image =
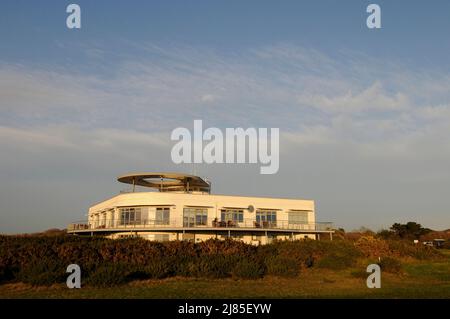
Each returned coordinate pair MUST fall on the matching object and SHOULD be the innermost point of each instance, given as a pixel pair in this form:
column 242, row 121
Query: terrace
column 216, row 225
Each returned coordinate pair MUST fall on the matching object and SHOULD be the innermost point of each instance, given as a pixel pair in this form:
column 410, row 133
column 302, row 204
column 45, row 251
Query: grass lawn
column 419, row 280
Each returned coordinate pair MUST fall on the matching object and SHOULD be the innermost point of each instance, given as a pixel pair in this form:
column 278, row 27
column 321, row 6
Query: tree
column 409, row 230
column 385, row 234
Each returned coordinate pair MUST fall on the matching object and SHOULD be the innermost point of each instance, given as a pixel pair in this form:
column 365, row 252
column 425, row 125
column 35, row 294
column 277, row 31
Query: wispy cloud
column 351, row 126
column 174, row 85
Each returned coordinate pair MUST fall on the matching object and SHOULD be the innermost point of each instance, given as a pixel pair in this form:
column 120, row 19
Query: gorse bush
column 6, row 274
column 335, row 262
column 215, row 266
column 391, row 265
column 282, row 266
column 42, row 272
column 109, row 275
column 417, row 251
column 359, row 273
column 106, row 262
column 339, row 256
column 157, row 269
column 372, row 247
column 248, row 269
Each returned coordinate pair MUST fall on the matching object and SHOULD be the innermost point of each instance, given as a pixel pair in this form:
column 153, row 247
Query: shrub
column 183, row 267
column 359, row 274
column 227, row 247
column 339, row 259
column 137, row 274
column 372, row 247
column 6, row 274
column 248, row 269
column 108, row 275
column 302, row 252
column 282, row 266
column 105, row 262
column 391, row 265
column 214, row 266
column 408, row 249
column 157, row 269
column 42, row 273
column 335, row 262
column 338, row 255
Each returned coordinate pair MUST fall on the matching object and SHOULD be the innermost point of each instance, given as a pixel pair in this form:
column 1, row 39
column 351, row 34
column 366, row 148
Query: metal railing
column 246, row 223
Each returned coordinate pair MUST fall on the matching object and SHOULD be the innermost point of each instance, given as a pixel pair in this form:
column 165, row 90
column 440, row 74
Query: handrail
column 153, row 223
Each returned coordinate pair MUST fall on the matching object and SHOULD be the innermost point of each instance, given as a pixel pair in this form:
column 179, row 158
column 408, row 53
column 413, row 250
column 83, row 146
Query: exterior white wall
column 213, row 203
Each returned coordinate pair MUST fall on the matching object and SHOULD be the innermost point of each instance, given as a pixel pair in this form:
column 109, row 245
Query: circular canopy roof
column 167, row 182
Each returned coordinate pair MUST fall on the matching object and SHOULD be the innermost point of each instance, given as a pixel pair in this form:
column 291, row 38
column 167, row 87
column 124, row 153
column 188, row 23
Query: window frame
column 299, row 219
column 235, row 215
column 130, row 216
column 195, row 216
column 266, row 215
column 162, row 215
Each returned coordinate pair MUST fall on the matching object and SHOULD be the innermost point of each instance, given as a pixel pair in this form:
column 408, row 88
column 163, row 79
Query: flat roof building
column 181, row 207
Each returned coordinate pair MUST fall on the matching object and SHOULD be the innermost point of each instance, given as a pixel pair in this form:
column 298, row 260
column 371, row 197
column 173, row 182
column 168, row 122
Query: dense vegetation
column 104, row 262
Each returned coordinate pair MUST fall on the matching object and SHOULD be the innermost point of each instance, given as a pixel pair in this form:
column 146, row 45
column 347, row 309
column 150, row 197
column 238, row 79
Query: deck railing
column 247, row 223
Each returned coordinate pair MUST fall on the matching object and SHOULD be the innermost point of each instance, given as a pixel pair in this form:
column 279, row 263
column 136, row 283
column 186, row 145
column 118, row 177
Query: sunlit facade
column 181, row 207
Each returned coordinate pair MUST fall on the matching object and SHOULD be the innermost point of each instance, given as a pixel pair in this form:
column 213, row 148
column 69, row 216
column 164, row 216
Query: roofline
column 224, row 195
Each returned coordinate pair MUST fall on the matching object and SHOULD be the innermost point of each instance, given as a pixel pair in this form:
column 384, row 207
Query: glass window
column 195, row 216
column 298, row 217
column 130, row 215
column 266, row 217
column 103, row 219
column 236, row 215
column 162, row 216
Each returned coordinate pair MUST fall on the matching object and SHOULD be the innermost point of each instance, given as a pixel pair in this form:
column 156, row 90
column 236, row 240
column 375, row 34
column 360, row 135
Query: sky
column 364, row 114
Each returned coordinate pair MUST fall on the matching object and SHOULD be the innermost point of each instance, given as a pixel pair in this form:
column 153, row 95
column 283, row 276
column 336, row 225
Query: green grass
column 435, row 271
column 419, row 280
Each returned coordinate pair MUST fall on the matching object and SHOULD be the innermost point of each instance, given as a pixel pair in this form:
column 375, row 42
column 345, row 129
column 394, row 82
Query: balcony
column 215, row 225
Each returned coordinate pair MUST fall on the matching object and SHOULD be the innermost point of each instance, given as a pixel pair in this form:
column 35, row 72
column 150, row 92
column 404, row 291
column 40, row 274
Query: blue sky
column 364, row 115
column 412, row 30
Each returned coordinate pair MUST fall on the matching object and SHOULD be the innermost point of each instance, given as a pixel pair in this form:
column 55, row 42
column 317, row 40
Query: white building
column 182, row 208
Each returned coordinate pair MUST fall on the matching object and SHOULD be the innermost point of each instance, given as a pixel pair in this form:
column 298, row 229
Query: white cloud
column 279, row 85
column 60, row 138
column 373, row 98
column 35, row 92
column 208, row 98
